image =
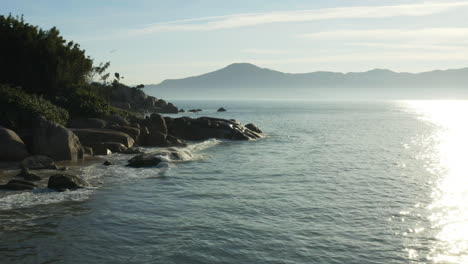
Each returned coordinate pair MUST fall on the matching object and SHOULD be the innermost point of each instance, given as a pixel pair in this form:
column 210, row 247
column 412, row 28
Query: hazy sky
column 148, row 41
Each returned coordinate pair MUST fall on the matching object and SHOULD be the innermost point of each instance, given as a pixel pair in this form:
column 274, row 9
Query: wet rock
column 38, row 162
column 56, row 141
column 18, row 185
column 221, row 109
column 132, row 151
column 28, row 176
column 144, row 160
column 62, row 182
column 172, row 141
column 253, row 128
column 195, row 110
column 107, row 163
column 12, row 147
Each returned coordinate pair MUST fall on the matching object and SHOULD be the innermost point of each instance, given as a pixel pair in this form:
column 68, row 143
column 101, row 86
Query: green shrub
column 18, row 108
column 83, row 102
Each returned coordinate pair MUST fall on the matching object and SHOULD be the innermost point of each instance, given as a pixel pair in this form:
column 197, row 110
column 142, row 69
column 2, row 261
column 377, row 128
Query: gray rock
column 144, row 160
column 91, row 136
column 55, row 141
column 12, row 147
column 38, row 162
column 62, row 182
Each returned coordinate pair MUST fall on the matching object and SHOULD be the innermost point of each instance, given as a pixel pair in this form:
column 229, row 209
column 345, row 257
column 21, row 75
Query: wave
column 99, row 175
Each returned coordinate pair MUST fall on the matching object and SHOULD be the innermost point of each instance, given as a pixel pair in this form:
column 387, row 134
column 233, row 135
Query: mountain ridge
column 244, row 77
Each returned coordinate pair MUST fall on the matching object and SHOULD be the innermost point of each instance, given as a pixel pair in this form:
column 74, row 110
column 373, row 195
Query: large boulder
column 132, row 131
column 156, row 123
column 87, row 123
column 144, row 160
column 154, row 139
column 38, row 162
column 117, row 119
column 62, row 182
column 55, row 141
column 18, row 185
column 206, row 127
column 89, row 137
column 12, row 148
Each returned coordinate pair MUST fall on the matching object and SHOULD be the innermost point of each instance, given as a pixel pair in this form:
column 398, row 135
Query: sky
column 148, row 41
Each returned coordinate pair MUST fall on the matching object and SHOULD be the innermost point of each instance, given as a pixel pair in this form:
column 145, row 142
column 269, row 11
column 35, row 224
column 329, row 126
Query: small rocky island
column 60, row 107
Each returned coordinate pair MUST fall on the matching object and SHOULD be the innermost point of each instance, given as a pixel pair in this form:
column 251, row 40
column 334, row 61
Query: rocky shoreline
column 42, row 156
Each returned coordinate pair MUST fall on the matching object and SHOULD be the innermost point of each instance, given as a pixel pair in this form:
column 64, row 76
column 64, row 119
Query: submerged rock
column 107, row 163
column 38, row 162
column 12, row 147
column 62, row 182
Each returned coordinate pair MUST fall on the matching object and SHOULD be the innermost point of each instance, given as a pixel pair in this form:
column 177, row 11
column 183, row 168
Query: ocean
column 332, row 182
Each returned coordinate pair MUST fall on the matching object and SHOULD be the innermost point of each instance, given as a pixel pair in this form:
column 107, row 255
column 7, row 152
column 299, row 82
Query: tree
column 40, row 61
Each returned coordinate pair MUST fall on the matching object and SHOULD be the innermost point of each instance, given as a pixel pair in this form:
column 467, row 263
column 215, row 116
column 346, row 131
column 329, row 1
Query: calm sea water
column 333, row 182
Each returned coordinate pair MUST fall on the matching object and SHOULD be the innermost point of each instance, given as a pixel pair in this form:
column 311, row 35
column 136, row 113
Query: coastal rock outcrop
column 38, row 162
column 55, row 141
column 207, row 127
column 62, row 182
column 12, row 148
column 221, row 109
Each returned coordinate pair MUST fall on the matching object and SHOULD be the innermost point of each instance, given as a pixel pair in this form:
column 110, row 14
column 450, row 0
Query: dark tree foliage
column 40, row 61
column 18, row 109
column 84, row 102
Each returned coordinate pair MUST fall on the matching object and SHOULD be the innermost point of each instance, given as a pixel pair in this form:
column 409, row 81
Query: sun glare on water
column 449, row 207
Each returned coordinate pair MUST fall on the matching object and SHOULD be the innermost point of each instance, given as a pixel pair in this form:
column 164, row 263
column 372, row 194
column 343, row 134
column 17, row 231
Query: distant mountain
column 245, row 80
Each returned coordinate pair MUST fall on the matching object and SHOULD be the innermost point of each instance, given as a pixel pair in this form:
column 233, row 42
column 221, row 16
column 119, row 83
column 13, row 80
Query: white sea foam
column 98, row 175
